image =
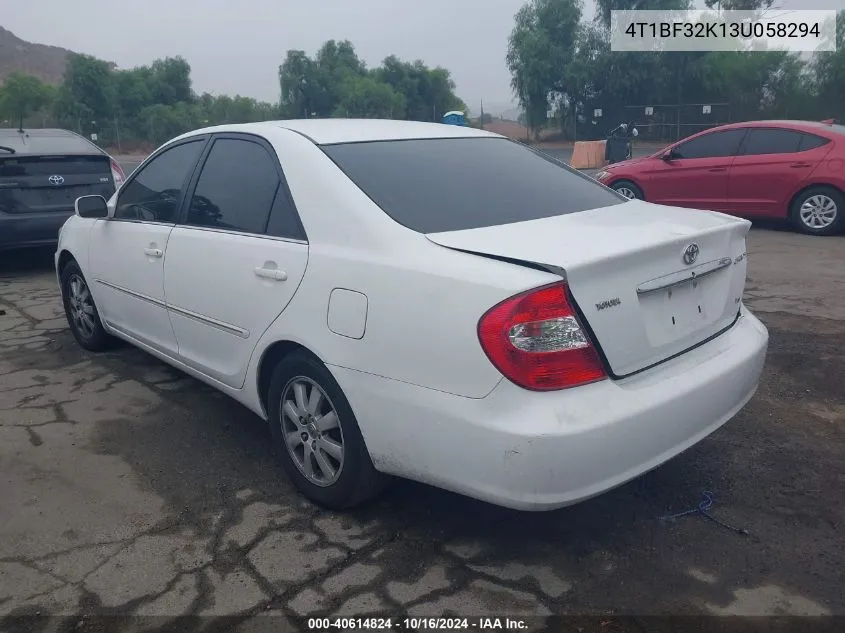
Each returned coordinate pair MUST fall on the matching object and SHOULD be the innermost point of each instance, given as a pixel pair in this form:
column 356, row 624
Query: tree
column 170, row 81
column 540, row 48
column 828, row 70
column 88, row 83
column 739, row 5
column 22, row 95
column 604, row 7
column 366, row 97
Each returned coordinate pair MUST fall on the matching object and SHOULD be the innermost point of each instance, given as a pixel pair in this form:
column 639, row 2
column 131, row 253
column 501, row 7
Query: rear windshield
column 435, row 185
column 16, row 167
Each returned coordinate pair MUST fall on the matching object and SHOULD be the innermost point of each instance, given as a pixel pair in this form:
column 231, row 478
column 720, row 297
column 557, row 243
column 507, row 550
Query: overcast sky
column 236, row 46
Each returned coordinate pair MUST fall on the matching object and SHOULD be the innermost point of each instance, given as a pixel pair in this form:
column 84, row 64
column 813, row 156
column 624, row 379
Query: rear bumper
column 541, row 451
column 31, row 229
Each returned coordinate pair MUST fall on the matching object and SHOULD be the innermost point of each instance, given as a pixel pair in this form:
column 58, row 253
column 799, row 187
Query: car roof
column 804, row 126
column 39, row 141
column 332, row 131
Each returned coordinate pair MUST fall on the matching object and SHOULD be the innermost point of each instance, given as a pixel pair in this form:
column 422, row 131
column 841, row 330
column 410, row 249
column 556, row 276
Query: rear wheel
column 316, row 435
column 81, row 311
column 819, row 211
column 628, row 189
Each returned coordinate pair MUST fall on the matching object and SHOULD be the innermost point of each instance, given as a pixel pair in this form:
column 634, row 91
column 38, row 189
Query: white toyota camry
column 422, row 300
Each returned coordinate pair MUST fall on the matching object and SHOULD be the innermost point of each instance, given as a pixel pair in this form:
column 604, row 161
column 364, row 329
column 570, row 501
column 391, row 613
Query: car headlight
column 602, row 175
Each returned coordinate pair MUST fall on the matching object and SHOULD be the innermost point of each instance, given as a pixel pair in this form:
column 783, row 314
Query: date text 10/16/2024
column 416, row 624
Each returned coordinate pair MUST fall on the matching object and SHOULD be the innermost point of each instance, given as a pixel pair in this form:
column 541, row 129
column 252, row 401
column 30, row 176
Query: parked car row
column 422, row 300
column 791, row 170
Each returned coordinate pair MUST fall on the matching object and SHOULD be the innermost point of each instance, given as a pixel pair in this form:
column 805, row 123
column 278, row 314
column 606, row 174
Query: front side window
column 154, row 193
column 451, row 184
column 236, row 188
column 712, row 145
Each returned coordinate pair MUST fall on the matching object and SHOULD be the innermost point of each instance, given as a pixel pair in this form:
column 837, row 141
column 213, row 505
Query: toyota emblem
column 691, row 254
column 56, row 180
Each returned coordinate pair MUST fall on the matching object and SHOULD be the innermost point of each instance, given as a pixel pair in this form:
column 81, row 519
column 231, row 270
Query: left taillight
column 537, row 342
column 117, row 174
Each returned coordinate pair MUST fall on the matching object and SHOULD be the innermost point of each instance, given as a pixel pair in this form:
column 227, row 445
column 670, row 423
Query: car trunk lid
column 625, row 266
column 44, row 184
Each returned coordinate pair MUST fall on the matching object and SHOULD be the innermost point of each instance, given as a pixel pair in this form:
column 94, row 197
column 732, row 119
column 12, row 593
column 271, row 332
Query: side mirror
column 91, row 207
column 667, row 155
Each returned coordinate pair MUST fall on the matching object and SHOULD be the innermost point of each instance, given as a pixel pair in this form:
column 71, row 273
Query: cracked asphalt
column 127, row 487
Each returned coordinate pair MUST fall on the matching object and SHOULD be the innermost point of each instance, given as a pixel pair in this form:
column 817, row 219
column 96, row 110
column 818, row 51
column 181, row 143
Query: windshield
column 436, row 185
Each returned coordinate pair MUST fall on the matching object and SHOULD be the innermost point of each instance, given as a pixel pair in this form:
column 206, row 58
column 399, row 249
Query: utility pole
column 481, row 120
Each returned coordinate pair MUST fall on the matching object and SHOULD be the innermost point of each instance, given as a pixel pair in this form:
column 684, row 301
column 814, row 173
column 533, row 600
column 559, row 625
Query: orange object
column 588, row 155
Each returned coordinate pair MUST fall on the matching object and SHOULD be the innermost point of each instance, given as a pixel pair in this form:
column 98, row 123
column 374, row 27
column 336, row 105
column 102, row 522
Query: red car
column 761, row 169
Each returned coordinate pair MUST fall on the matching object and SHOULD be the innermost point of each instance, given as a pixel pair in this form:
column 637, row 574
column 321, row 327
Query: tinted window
column 433, row 185
column 713, row 145
column 284, row 221
column 811, row 141
column 771, row 141
column 154, row 193
column 236, row 187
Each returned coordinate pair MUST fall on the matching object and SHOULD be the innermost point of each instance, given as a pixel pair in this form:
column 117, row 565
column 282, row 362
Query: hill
column 17, row 55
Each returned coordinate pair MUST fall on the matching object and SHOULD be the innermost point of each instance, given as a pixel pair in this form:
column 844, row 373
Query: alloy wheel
column 627, row 192
column 81, row 305
column 311, row 431
column 818, row 212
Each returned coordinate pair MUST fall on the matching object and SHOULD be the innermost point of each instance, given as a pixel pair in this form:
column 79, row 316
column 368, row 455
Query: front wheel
column 316, row 435
column 818, row 211
column 81, row 311
column 628, row 189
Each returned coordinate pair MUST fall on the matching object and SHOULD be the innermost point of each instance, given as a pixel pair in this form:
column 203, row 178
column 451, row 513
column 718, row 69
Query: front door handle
column 154, row 252
column 799, row 165
column 271, row 273
column 718, row 169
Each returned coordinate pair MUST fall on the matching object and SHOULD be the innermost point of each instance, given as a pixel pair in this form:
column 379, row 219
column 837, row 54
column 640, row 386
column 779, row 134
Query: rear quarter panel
column 423, row 300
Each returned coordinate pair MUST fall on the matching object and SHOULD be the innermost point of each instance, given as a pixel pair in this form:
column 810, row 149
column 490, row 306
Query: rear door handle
column 718, row 169
column 799, row 165
column 271, row 273
column 154, row 252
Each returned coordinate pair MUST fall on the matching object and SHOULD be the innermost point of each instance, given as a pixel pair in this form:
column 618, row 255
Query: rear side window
column 236, row 188
column 771, row 141
column 153, row 195
column 811, row 141
column 712, row 145
column 435, row 185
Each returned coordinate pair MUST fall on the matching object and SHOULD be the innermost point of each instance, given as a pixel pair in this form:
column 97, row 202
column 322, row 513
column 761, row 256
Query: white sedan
column 422, row 300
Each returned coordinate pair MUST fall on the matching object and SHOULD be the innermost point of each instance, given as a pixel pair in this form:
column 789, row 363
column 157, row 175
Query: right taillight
column 536, row 341
column 117, row 174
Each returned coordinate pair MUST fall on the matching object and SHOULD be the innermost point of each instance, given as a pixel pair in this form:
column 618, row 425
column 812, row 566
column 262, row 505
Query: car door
column 696, row 173
column 235, row 258
column 128, row 250
column 769, row 168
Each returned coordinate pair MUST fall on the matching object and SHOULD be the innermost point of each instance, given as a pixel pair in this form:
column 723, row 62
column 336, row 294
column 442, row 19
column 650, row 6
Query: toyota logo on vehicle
column 691, row 254
column 56, row 180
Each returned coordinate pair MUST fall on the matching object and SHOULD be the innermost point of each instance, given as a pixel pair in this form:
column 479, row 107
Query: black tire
column 822, row 193
column 89, row 333
column 627, row 184
column 357, row 480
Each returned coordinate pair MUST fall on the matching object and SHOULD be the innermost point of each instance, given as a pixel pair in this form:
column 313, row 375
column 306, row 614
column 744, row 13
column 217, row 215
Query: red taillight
column 536, row 341
column 117, row 174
